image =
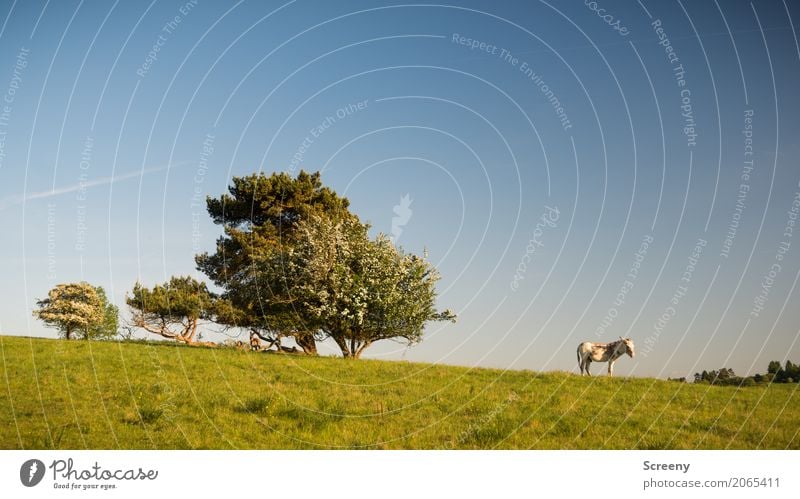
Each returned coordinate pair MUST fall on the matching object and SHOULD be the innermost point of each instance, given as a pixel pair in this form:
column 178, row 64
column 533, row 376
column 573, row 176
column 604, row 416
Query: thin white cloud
column 22, row 198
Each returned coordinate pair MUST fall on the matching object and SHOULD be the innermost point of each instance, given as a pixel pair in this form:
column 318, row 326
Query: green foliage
column 355, row 289
column 295, row 262
column 775, row 374
column 790, row 373
column 109, row 326
column 75, row 308
column 259, row 217
column 172, row 310
column 749, row 381
column 275, row 203
column 724, row 376
column 175, row 397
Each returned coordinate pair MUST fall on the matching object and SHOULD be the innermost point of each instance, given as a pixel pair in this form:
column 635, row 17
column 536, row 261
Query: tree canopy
column 259, row 217
column 108, row 327
column 294, row 261
column 172, row 310
column 78, row 308
column 354, row 289
column 775, row 374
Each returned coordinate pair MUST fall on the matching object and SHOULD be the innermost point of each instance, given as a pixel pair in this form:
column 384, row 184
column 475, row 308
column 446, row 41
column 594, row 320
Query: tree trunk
column 357, row 354
column 69, row 333
column 342, row 343
column 307, row 342
column 190, row 330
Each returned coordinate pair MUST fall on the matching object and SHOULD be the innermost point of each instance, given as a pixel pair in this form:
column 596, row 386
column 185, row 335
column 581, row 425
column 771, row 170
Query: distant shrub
column 789, row 373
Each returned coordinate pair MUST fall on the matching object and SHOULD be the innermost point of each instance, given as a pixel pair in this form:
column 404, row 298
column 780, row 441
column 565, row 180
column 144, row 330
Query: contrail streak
column 22, row 198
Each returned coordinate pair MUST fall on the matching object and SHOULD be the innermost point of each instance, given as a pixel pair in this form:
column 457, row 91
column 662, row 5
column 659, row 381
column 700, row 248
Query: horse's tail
column 579, row 354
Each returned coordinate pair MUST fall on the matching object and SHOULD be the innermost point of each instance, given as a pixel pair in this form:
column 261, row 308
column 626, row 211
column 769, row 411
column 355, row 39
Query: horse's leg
column 610, row 368
column 588, row 363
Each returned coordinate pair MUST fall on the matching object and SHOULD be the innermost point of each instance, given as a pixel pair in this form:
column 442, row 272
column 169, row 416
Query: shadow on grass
column 253, row 406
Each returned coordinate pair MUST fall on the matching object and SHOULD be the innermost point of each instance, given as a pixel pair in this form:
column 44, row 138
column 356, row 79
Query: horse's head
column 628, row 346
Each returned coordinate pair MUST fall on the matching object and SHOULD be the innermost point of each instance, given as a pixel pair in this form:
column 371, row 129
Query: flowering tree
column 355, row 290
column 75, row 308
column 294, row 261
column 259, row 216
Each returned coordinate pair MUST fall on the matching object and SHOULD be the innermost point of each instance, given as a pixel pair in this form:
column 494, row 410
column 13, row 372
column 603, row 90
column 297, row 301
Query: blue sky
column 489, row 115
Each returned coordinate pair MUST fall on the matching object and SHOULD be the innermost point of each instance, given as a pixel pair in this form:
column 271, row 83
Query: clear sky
column 659, row 141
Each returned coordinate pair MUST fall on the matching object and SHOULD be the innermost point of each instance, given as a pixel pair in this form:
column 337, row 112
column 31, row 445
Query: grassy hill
column 78, row 394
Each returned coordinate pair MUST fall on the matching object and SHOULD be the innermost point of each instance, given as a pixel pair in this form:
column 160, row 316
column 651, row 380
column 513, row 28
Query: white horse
column 589, row 352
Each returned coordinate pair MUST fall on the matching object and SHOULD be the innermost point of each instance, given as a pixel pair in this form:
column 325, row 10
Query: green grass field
column 107, row 395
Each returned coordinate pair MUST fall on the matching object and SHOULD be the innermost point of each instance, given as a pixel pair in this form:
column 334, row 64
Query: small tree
column 792, row 371
column 108, row 327
column 774, row 367
column 73, row 308
column 725, row 373
column 172, row 310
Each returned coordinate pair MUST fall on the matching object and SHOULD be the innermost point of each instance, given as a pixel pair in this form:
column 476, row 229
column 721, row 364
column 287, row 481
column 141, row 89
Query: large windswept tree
column 78, row 309
column 172, row 310
column 259, row 217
